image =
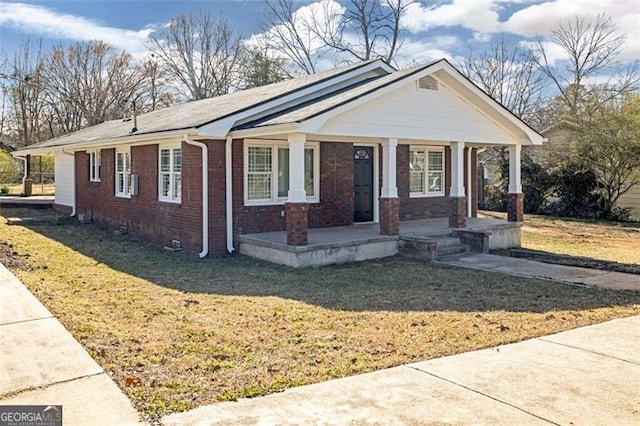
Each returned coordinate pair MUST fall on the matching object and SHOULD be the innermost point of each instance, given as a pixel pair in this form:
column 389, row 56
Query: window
column 123, row 174
column 426, row 171
column 267, row 173
column 94, row 166
column 170, row 174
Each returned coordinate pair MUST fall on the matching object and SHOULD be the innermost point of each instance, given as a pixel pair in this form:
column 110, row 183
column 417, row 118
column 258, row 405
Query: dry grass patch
column 176, row 332
column 36, row 189
column 612, row 241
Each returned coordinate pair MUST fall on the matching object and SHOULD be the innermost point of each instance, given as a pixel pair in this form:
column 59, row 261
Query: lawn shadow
column 391, row 284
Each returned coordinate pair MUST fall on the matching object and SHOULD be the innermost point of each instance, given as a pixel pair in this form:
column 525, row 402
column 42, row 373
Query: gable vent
column 428, row 83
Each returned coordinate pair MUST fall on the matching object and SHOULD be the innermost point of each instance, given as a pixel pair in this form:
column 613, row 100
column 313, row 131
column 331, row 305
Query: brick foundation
column 457, row 212
column 389, row 216
column 297, row 217
column 515, row 208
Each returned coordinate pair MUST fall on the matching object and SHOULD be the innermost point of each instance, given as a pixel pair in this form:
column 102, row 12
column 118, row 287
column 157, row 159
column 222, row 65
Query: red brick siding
column 336, row 193
column 424, row 207
column 143, row 214
column 427, row 207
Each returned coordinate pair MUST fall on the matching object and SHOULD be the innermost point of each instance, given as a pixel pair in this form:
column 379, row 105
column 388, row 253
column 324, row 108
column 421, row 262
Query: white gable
column 411, row 112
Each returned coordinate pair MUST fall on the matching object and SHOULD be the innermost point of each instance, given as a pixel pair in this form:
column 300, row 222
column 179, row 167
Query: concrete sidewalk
column 585, row 376
column 533, row 269
column 42, row 364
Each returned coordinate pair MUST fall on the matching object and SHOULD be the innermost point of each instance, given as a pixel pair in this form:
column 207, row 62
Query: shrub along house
column 275, row 169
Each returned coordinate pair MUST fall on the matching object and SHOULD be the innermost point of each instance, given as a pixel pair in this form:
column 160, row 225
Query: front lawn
column 612, row 241
column 176, row 332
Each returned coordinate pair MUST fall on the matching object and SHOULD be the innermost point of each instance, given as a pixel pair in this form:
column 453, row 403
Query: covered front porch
column 425, row 239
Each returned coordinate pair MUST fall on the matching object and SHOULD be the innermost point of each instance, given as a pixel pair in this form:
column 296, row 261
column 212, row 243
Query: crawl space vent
column 428, row 83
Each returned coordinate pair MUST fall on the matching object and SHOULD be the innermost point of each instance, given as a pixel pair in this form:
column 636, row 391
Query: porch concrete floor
column 367, row 232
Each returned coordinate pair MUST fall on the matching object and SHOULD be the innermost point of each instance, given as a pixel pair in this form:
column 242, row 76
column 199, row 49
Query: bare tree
column 591, row 47
column 508, row 72
column 88, row 83
column 359, row 31
column 367, row 29
column 202, row 55
column 288, row 36
column 154, row 93
column 23, row 84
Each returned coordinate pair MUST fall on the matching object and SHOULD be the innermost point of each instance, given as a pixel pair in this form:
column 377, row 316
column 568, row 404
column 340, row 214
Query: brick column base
column 297, row 224
column 515, row 208
column 457, row 212
column 389, row 216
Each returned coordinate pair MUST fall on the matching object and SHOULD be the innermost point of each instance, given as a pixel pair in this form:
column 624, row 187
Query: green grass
column 176, row 332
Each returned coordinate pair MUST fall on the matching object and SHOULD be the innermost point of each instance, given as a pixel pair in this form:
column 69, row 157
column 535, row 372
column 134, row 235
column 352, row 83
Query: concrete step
column 452, row 249
column 447, row 241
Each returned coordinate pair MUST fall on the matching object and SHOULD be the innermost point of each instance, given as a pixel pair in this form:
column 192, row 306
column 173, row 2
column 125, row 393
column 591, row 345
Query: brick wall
column 143, row 214
column 336, row 193
column 429, row 207
column 424, row 207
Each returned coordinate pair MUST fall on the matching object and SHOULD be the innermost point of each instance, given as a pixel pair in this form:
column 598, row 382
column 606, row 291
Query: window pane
column 435, row 181
column 119, row 161
column 166, row 184
column 416, row 182
column 259, row 159
column 308, row 172
column 283, row 172
column 127, row 163
column 177, row 160
column 259, row 186
column 120, row 187
column 416, row 161
column 165, row 160
column 177, row 186
column 435, row 161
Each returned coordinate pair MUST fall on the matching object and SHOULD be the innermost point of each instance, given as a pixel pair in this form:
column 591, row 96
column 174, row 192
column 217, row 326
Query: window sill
column 125, row 196
column 275, row 203
column 428, row 195
column 169, row 201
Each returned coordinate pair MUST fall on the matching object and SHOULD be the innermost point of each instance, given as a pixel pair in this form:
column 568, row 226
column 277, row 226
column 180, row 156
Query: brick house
column 364, row 143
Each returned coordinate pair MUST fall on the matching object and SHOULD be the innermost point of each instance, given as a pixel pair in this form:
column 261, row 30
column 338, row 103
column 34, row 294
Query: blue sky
column 435, row 29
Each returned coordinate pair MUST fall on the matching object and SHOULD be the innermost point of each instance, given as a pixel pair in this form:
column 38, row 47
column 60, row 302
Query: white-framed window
column 170, row 167
column 266, row 172
column 426, row 171
column 94, row 166
column 123, row 173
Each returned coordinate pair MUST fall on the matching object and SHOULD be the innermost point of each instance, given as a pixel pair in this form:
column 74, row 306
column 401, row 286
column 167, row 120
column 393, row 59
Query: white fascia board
column 144, row 139
column 220, row 128
column 315, row 124
column 264, row 131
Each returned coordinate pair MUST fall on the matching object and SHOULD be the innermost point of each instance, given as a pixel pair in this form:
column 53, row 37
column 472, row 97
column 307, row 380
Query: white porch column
column 468, row 184
column 515, row 198
column 515, row 179
column 297, row 192
column 389, row 186
column 457, row 170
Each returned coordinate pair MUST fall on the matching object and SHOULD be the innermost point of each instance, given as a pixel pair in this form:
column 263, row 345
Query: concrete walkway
column 533, row 269
column 42, row 364
column 587, row 376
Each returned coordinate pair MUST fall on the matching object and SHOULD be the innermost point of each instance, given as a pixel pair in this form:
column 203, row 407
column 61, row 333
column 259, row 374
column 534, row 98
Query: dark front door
column 362, row 184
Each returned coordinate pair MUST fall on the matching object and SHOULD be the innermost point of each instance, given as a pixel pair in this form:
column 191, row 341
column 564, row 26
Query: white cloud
column 51, row 23
column 421, row 51
column 539, row 19
column 533, row 19
column 478, row 15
